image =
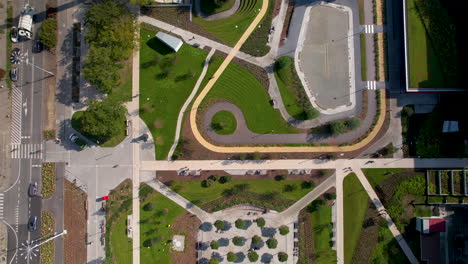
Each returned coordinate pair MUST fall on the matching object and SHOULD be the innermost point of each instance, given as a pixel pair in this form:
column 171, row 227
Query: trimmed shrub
column 282, row 257
column 240, row 224
column 281, row 177
column 219, row 225
column 225, row 179
column 231, row 257
column 253, row 256
column 214, row 244
column 237, row 240
column 260, row 222
column 272, row 243
column 256, row 240
column 283, row 230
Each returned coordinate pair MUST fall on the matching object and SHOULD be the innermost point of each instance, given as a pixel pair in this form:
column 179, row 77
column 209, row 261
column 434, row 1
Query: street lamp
column 17, row 57
column 30, row 249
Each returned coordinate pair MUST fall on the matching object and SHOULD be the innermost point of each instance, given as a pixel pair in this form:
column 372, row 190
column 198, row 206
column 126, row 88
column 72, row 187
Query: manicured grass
column 194, row 192
column 322, row 230
column 356, row 202
column 121, row 244
column 376, row 176
column 48, row 179
column 166, row 80
column 424, row 68
column 124, row 90
column 215, row 6
column 363, row 57
column 240, row 87
column 112, row 142
column 224, row 123
column 47, row 230
column 387, row 249
column 155, row 224
column 292, row 92
column 230, row 29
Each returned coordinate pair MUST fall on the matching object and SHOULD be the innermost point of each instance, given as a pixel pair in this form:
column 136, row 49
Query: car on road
column 14, row 34
column 32, row 191
column 75, row 139
column 14, row 74
column 38, row 47
column 32, row 224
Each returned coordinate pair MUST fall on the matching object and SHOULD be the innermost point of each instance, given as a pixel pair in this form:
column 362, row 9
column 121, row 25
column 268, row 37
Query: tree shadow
column 240, row 257
column 206, row 227
column 268, row 231
column 223, row 242
column 266, row 258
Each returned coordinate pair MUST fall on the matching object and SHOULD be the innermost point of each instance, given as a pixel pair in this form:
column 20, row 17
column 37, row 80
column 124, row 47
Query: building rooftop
column 172, row 42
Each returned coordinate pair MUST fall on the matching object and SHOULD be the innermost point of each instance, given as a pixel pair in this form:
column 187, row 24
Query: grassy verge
column 387, row 249
column 121, row 244
column 48, row 179
column 292, row 92
column 224, row 123
column 124, row 90
column 157, row 215
column 47, row 230
column 356, row 201
column 322, row 233
column 363, row 57
column 230, row 29
column 210, row 7
column 377, row 176
column 112, row 142
column 361, row 11
column 256, row 44
column 166, row 80
column 240, row 87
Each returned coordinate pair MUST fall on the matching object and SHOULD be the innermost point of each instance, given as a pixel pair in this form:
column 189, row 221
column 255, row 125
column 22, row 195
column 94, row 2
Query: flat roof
column 172, row 42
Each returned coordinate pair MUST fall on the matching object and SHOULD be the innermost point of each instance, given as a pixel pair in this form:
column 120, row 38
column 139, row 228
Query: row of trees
column 252, row 255
column 111, row 37
column 338, row 127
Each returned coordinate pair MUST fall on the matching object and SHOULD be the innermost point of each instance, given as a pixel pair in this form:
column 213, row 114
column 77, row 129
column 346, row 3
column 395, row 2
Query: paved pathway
column 383, row 212
column 187, row 103
column 217, row 16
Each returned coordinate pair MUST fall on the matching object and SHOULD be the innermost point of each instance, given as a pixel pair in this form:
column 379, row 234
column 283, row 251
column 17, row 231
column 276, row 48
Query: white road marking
column 2, row 197
column 16, row 115
column 369, row 29
column 371, row 85
column 26, row 151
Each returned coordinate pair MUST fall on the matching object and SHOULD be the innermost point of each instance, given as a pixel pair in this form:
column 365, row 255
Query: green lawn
column 363, row 57
column 361, row 11
column 240, row 87
column 155, row 224
column 121, row 244
column 230, row 29
column 291, row 90
column 166, row 80
column 387, row 249
column 194, row 192
column 215, row 6
column 425, row 70
column 356, row 202
column 124, row 90
column 376, row 176
column 224, row 123
column 322, row 230
column 114, row 141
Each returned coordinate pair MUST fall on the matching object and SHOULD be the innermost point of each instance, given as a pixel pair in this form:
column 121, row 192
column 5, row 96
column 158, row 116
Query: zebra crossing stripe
column 16, row 115
column 369, row 29
column 1, row 204
column 26, row 151
column 371, row 85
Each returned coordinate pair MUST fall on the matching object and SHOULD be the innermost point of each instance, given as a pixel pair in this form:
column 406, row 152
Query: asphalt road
column 27, row 152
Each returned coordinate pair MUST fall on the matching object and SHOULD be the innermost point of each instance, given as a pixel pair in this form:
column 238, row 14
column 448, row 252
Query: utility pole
column 34, row 65
column 30, row 250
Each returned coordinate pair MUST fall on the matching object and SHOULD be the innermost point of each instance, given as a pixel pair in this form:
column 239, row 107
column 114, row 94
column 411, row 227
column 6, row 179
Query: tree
column 103, row 119
column 260, row 222
column 253, row 256
column 330, row 196
column 48, row 33
column 283, row 230
column 289, row 188
column 282, row 257
column 272, row 243
column 99, row 69
column 214, row 260
column 282, row 63
column 231, row 257
column 315, row 205
column 225, row 179
column 337, row 127
column 148, row 207
column 214, row 244
column 281, row 177
column 237, row 240
column 219, row 225
column 240, row 224
column 256, row 240
column 307, row 184
column 207, row 183
column 353, row 123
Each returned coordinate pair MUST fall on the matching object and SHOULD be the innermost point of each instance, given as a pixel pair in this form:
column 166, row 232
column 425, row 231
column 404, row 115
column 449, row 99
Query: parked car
column 32, row 189
column 32, row 224
column 14, row 34
column 75, row 139
column 37, row 47
column 14, row 74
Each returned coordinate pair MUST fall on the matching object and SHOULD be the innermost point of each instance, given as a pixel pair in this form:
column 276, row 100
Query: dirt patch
column 368, row 238
column 158, row 124
column 381, row 57
column 188, row 225
column 75, row 216
column 306, row 242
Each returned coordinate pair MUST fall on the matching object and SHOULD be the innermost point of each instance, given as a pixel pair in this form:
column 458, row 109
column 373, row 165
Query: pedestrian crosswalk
column 369, row 29
column 16, row 113
column 26, row 151
column 371, row 85
column 2, row 199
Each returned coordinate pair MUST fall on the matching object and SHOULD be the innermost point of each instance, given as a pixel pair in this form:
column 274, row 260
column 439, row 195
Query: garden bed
column 48, row 179
column 47, row 230
column 75, row 222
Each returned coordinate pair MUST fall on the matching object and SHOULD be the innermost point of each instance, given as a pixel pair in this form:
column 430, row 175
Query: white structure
column 25, row 22
column 178, row 243
column 129, row 226
column 172, row 42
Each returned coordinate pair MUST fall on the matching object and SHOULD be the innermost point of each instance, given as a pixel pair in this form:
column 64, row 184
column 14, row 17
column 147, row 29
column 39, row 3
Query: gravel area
column 75, row 224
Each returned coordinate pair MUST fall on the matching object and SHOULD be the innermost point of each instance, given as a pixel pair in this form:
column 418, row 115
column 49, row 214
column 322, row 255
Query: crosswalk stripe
column 371, row 85
column 16, row 115
column 369, row 29
column 26, row 151
column 1, row 205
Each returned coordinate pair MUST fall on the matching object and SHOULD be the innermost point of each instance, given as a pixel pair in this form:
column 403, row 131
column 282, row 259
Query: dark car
column 32, row 191
column 75, row 139
column 32, row 224
column 14, row 34
column 14, row 74
column 37, row 47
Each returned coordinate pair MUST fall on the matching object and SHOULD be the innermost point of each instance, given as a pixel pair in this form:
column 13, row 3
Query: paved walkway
column 187, row 103
column 383, row 212
column 217, row 16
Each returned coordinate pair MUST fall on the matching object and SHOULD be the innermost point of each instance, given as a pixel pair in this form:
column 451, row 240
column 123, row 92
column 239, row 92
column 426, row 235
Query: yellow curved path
column 233, row 149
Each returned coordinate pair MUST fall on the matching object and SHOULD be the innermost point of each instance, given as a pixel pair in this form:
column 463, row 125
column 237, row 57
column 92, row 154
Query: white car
column 14, row 34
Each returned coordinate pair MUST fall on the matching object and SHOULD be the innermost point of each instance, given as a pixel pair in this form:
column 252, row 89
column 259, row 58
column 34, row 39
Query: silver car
column 14, row 74
column 14, row 34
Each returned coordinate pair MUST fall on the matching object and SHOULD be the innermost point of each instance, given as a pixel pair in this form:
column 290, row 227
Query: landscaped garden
column 224, row 123
column 210, row 7
column 292, row 92
column 240, row 87
column 47, row 230
column 214, row 195
column 166, row 80
column 48, row 179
